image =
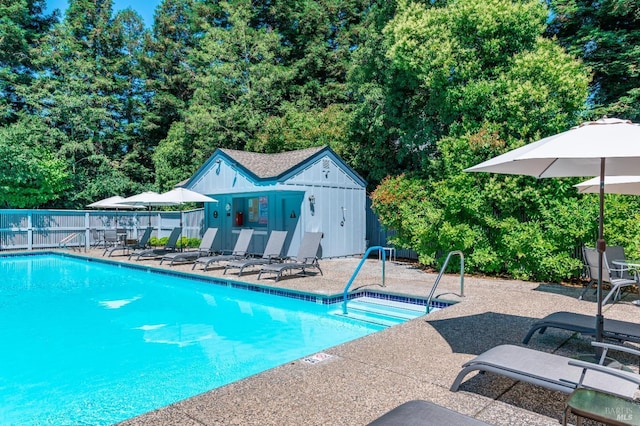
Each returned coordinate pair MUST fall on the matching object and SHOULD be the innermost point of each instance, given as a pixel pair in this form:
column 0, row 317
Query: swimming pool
column 87, row 342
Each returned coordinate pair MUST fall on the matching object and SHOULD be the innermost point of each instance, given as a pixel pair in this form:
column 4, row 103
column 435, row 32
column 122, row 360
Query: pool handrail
column 444, row 267
column 353, row 277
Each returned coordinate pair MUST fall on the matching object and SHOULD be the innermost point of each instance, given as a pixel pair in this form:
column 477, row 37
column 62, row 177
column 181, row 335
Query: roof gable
column 270, row 166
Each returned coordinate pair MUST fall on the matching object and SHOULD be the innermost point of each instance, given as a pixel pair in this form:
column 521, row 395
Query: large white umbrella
column 114, row 202
column 608, row 146
column 182, row 195
column 147, row 199
column 628, row 185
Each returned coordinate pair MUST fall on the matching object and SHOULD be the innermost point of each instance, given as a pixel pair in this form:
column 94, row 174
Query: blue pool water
column 92, row 343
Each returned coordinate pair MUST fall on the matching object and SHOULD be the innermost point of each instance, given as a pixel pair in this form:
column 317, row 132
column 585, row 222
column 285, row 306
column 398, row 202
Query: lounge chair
column 424, row 413
column 205, row 249
column 272, row 253
column 306, row 258
column 617, row 284
column 240, row 251
column 141, row 244
column 555, row 372
column 584, row 324
column 169, row 247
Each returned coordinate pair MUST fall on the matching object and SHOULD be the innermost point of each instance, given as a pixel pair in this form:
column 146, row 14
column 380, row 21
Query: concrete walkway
column 416, row 360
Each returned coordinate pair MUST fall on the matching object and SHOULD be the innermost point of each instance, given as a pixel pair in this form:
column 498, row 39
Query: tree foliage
column 409, row 93
column 606, row 35
column 487, row 95
column 32, row 174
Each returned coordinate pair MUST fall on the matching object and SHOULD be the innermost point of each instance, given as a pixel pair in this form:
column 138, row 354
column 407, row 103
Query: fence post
column 87, row 232
column 29, row 230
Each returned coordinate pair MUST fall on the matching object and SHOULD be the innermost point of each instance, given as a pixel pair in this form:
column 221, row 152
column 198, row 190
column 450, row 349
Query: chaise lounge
column 272, row 253
column 205, row 249
column 306, row 258
column 584, row 324
column 239, row 251
column 555, row 372
column 141, row 244
column 424, row 413
column 170, row 246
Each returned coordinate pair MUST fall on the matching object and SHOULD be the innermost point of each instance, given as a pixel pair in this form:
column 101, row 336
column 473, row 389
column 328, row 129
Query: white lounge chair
column 205, row 249
column 612, row 253
column 272, row 253
column 555, row 372
column 307, row 257
column 240, row 251
column 617, row 284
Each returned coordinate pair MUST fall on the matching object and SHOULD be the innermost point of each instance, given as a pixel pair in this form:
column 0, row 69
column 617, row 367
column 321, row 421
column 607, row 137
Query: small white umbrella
column 608, row 146
column 628, row 185
column 114, row 202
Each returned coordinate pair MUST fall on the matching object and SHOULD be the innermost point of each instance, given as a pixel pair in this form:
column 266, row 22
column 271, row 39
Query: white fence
column 41, row 229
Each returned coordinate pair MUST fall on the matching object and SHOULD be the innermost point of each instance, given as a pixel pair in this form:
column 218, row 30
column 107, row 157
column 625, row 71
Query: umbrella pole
column 601, row 249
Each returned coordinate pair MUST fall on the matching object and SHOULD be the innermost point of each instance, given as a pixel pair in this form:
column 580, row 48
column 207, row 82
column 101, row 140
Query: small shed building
column 297, row 191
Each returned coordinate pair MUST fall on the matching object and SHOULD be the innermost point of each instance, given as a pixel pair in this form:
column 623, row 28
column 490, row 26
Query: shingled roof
column 266, row 166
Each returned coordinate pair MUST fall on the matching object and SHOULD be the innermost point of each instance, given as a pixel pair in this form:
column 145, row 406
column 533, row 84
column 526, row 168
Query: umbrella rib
column 547, row 168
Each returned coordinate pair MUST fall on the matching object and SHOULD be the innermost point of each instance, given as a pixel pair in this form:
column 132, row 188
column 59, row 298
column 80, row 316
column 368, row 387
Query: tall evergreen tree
column 606, row 35
column 240, row 83
column 22, row 24
column 87, row 88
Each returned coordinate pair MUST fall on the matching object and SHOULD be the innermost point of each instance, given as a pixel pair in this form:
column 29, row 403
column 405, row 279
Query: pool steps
column 380, row 311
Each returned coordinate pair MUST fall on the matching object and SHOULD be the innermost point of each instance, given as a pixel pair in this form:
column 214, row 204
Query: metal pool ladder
column 444, row 267
column 353, row 277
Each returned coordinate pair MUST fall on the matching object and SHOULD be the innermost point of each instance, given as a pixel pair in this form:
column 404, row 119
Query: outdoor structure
column 310, row 190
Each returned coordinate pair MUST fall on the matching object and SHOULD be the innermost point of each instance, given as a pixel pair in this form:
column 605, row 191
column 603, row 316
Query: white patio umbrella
column 147, row 199
column 182, row 195
column 608, row 146
column 628, row 185
column 114, row 202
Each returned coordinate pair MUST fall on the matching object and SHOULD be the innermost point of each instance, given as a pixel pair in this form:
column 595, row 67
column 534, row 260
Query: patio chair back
column 617, row 253
column 591, row 257
column 206, row 245
column 96, row 238
column 275, row 244
column 242, row 243
column 309, row 247
column 172, row 242
column 110, row 237
column 144, row 240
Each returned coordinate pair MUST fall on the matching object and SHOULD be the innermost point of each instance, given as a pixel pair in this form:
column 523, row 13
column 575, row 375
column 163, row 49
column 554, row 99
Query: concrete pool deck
column 419, row 359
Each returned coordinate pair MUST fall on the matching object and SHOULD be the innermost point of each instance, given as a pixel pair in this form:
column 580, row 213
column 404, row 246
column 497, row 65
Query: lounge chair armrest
column 622, row 374
column 616, row 348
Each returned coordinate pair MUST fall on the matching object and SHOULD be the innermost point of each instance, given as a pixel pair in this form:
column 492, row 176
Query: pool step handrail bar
column 353, row 277
column 444, row 267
